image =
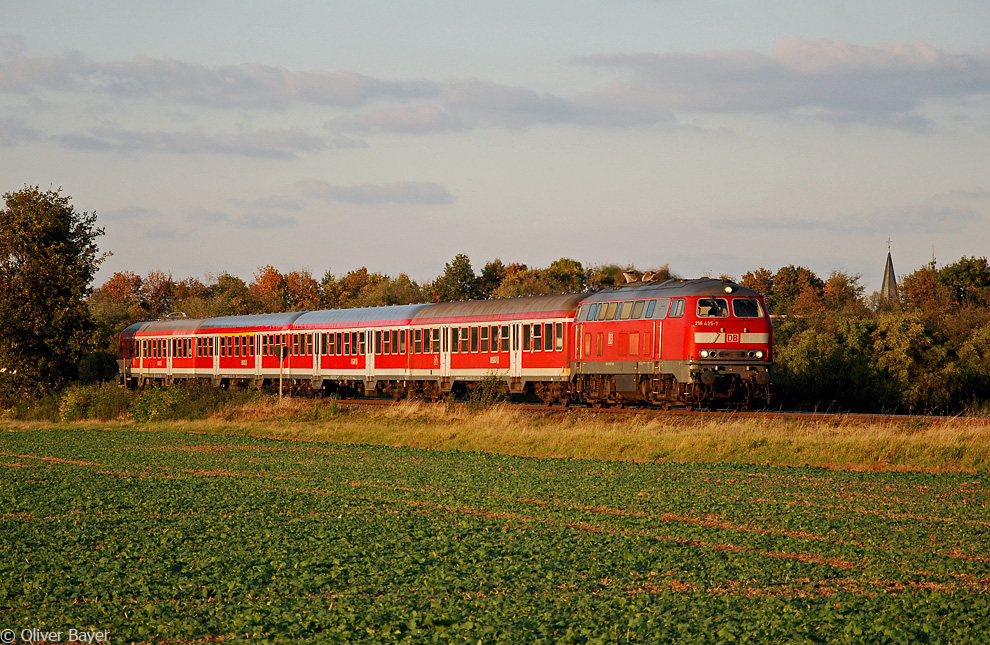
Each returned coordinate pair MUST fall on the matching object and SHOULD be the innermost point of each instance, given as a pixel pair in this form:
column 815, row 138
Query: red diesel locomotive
column 696, row 343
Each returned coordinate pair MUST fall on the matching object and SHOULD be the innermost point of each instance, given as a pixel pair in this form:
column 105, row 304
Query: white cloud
column 835, row 81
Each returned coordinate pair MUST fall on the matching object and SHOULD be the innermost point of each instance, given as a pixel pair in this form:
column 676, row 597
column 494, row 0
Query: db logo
column 732, row 338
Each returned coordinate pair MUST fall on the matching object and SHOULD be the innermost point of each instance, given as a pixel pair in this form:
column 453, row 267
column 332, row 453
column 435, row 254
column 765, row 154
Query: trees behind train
column 48, row 259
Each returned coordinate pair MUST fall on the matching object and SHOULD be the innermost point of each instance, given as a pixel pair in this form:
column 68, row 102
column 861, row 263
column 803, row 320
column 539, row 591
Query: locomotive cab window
column 747, row 308
column 713, row 308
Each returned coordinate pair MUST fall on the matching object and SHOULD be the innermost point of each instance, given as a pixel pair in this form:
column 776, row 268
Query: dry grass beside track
column 955, row 444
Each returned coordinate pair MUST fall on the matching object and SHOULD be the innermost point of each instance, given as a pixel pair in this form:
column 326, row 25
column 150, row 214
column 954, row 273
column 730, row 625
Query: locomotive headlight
column 704, row 353
column 759, row 354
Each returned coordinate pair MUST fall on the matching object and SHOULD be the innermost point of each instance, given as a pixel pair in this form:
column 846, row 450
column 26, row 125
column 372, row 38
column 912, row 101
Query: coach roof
column 362, row 316
column 500, row 308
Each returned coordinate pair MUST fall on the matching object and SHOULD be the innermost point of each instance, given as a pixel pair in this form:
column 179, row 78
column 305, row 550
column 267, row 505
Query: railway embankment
column 836, row 441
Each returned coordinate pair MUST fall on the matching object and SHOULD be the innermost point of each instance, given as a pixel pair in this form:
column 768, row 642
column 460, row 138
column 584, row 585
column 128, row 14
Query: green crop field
column 181, row 537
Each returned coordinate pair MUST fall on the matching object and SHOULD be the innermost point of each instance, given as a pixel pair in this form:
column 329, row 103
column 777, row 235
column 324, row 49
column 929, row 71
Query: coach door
column 444, row 352
column 369, row 355
column 256, row 356
column 515, row 353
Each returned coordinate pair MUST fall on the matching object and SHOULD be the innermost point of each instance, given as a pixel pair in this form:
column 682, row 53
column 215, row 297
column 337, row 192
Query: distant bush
column 159, row 403
column 103, row 402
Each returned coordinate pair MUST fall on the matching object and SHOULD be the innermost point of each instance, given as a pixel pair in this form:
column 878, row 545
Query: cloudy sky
column 713, row 136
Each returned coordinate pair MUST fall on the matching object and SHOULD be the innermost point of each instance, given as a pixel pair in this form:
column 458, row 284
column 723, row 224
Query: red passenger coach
column 682, row 342
column 523, row 341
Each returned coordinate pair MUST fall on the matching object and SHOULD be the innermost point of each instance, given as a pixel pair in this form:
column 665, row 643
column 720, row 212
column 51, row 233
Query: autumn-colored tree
column 191, row 288
column 230, row 296
column 269, row 290
column 565, row 276
column 302, row 292
column 789, row 282
column 760, row 281
column 48, row 258
column 527, row 282
column 356, row 289
column 123, row 287
column 922, row 291
column 159, row 294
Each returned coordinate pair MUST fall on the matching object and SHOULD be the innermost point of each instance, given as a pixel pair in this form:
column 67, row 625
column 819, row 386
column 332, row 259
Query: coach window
column 378, row 342
column 402, row 341
column 677, row 308
column 494, row 338
column 548, row 337
column 455, row 343
column 387, row 343
column 537, row 337
column 484, row 339
column 465, row 340
column 250, row 345
column 359, row 341
column 347, row 344
column 310, row 339
column 526, row 334
column 559, row 336
column 474, row 339
column 395, row 341
column 436, row 341
column 505, row 338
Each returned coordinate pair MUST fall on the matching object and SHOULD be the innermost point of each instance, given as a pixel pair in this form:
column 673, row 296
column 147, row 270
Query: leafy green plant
column 159, row 403
column 490, row 391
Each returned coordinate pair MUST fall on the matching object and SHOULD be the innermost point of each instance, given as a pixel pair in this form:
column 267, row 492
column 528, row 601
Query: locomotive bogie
column 693, row 343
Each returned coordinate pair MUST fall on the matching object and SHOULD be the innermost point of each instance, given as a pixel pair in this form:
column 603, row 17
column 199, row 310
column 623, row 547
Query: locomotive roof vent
column 631, row 276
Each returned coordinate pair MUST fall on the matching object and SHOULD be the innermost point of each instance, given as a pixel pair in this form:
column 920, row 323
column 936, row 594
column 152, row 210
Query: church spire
column 888, row 290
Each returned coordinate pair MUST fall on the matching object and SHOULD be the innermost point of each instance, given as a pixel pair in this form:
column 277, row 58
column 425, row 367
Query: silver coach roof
column 255, row 321
column 392, row 314
column 499, row 307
